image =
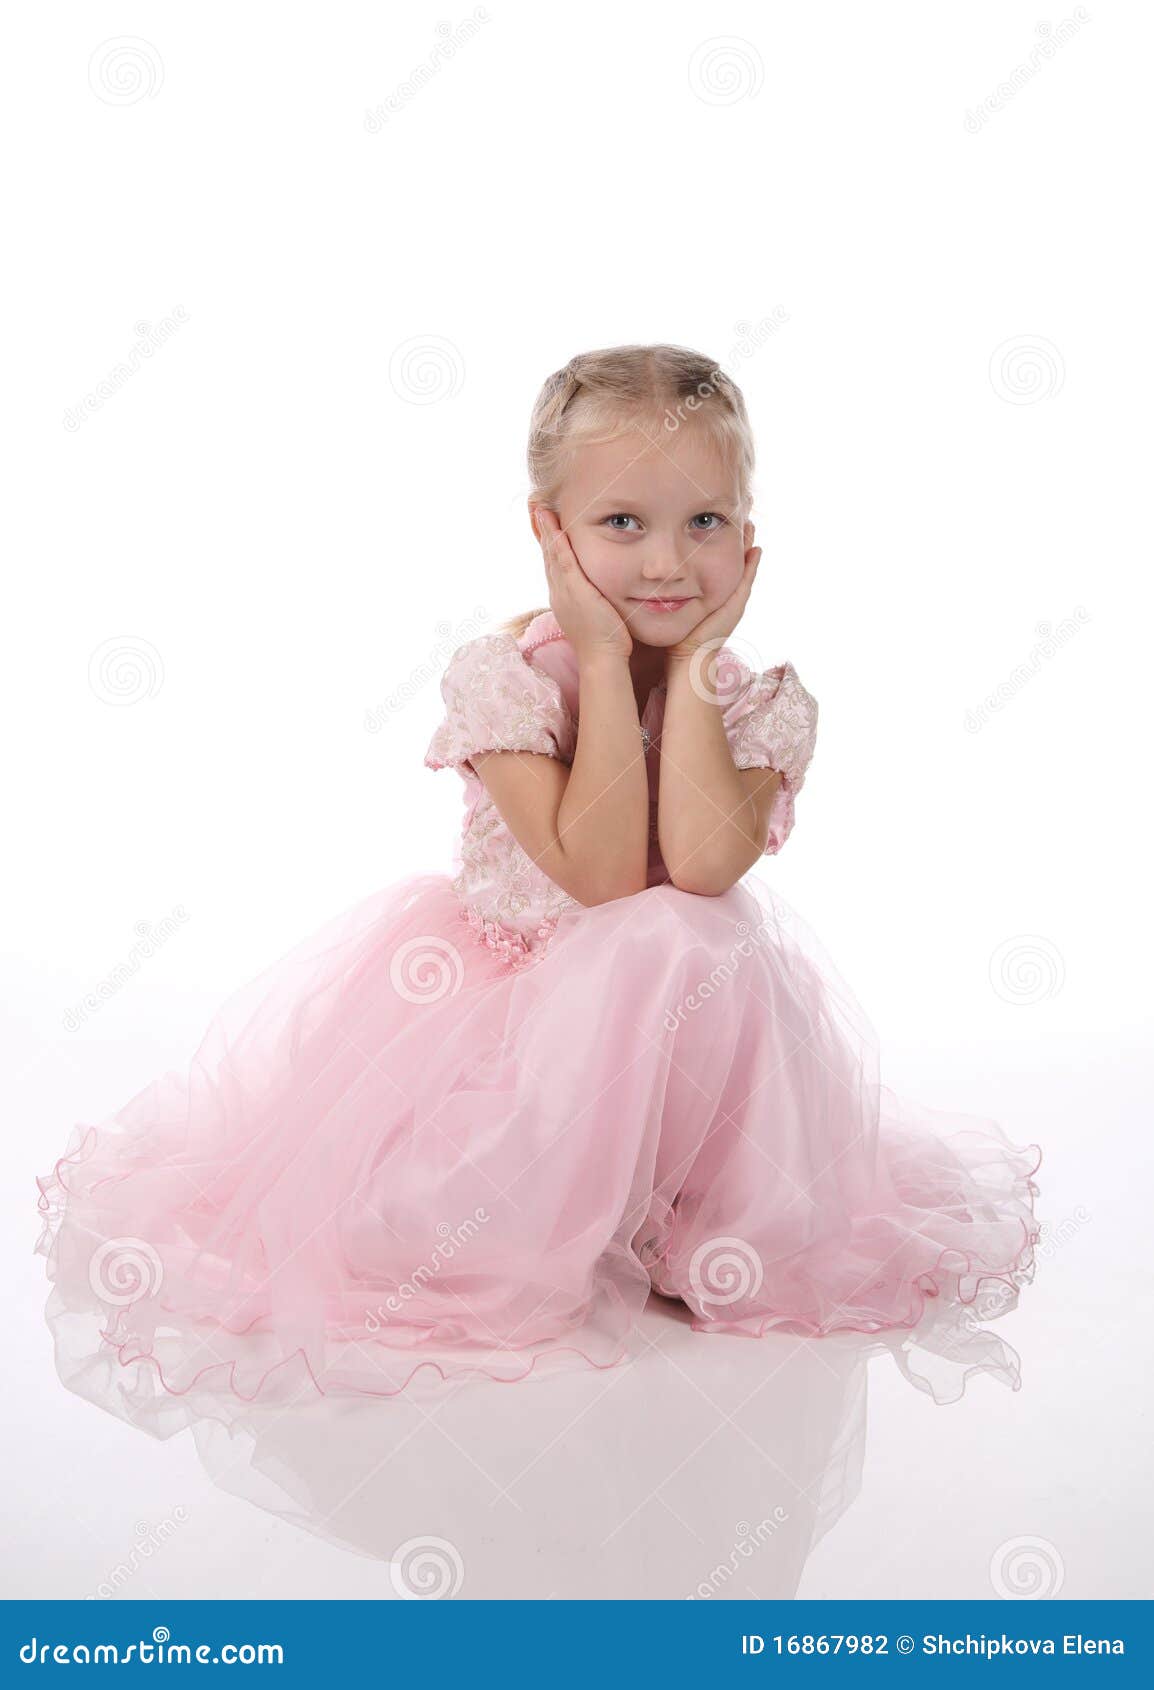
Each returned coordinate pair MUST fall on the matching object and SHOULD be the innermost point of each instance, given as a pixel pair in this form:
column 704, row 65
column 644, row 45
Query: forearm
column 603, row 818
column 706, row 821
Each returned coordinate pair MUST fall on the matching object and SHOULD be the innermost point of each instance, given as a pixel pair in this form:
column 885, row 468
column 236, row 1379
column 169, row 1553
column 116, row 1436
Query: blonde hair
column 599, row 396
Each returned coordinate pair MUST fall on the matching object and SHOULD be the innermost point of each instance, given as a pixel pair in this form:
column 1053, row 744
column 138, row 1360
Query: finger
column 545, row 527
column 564, row 546
column 555, row 541
column 554, row 561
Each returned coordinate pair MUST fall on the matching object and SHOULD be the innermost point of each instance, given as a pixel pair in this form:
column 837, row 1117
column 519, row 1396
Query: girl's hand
column 587, row 618
column 715, row 628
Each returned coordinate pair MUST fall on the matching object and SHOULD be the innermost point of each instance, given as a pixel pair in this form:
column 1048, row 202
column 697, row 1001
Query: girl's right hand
column 588, row 620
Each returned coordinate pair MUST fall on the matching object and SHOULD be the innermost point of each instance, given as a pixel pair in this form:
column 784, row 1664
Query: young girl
column 471, row 1124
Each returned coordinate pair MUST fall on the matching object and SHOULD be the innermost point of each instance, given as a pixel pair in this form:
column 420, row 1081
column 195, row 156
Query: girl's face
column 657, row 519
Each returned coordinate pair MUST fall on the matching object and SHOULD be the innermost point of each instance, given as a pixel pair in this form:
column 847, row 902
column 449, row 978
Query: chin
column 667, row 629
column 659, row 638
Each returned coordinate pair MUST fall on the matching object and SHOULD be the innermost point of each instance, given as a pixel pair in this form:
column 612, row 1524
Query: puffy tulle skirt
column 394, row 1161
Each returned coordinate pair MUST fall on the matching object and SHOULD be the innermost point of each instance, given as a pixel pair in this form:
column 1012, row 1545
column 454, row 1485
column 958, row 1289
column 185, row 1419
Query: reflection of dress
column 470, row 1123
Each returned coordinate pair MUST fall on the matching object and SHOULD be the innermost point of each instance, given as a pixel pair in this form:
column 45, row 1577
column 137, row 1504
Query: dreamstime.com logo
column 428, row 669
column 749, row 1540
column 152, row 935
column 453, row 1240
column 1051, row 640
column 150, row 1540
column 150, row 337
column 720, row 975
column 452, row 38
column 1022, row 74
column 1055, row 1235
column 158, row 1649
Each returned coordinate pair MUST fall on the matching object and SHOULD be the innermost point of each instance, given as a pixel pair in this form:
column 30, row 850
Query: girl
column 470, row 1125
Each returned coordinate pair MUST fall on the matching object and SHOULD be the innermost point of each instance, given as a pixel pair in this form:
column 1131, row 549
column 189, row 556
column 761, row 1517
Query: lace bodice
column 504, row 692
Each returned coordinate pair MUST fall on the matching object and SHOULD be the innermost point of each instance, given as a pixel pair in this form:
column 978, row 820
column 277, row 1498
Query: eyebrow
column 615, row 502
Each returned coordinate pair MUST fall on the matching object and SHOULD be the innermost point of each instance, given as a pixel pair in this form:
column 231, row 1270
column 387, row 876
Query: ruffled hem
column 944, row 1310
column 949, row 1306
column 53, row 1205
column 227, row 1237
column 936, row 1307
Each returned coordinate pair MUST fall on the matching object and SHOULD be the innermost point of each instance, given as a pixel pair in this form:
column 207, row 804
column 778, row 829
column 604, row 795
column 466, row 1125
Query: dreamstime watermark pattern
column 454, row 37
column 152, row 937
column 454, row 1239
column 1054, row 1235
column 150, row 338
column 125, row 69
column 748, row 1541
column 1026, row 1568
column 675, row 415
column 994, row 1297
column 125, row 1270
column 1051, row 40
column 716, row 673
column 426, row 1568
column 1026, row 368
column 725, row 1270
column 720, row 975
column 125, row 669
column 753, row 336
column 428, row 669
column 426, row 968
column 725, row 69
column 425, row 369
column 149, row 1541
column 1050, row 641
column 1027, row 969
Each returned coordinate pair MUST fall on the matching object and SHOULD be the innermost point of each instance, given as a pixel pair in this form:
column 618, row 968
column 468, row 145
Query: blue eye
column 719, row 520
column 624, row 516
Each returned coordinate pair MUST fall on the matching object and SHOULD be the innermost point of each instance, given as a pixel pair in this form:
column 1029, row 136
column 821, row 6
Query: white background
column 287, row 517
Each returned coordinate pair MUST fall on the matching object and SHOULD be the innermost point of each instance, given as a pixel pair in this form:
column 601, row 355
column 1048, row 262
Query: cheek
column 722, row 569
column 604, row 564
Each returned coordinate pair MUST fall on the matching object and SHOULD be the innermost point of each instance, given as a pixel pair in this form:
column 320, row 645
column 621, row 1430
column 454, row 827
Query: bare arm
column 586, row 827
column 712, row 818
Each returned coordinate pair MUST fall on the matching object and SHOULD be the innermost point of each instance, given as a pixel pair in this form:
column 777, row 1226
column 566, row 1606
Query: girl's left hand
column 720, row 623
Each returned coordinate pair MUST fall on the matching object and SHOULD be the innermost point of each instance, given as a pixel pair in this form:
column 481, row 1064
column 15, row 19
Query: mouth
column 663, row 604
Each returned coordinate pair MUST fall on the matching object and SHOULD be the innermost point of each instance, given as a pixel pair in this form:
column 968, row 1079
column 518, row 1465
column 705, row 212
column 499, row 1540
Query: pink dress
column 469, row 1125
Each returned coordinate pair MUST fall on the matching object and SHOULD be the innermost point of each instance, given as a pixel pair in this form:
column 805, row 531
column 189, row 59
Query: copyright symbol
column 905, row 1645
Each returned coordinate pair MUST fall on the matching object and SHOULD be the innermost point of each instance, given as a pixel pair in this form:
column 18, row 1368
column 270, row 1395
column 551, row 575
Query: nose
column 663, row 567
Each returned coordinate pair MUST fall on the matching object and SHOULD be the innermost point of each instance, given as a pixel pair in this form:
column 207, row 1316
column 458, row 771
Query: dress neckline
column 534, row 636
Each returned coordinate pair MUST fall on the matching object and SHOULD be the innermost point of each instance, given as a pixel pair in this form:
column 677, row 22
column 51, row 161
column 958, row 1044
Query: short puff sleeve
column 773, row 725
column 495, row 700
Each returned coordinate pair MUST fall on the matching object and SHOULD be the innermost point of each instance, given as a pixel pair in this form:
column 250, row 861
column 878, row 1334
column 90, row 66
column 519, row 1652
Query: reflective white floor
column 712, row 1466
